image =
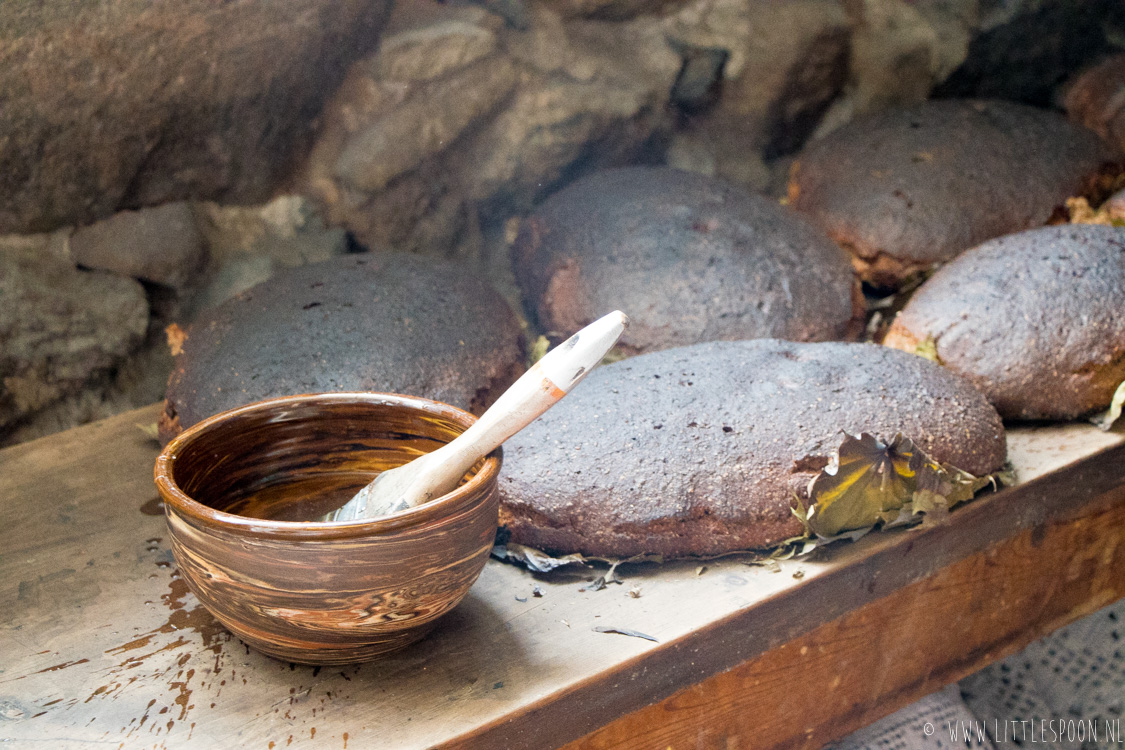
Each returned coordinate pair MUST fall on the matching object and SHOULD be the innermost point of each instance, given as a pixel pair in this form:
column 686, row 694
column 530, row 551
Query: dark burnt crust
column 910, row 188
column 388, row 322
column 700, row 450
column 1035, row 320
column 727, row 264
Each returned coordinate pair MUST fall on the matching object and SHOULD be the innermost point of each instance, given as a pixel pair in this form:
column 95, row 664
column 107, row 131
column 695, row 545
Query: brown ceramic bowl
column 320, row 593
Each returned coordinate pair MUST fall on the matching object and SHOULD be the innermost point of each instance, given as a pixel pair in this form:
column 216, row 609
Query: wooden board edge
column 899, row 562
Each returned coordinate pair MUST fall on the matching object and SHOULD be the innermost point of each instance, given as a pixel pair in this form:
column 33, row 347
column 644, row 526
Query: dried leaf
column 864, row 484
column 533, row 559
column 870, row 483
column 1081, row 212
column 765, row 562
column 928, row 348
column 538, row 349
column 150, row 430
column 1106, row 420
column 597, row 584
column 624, row 631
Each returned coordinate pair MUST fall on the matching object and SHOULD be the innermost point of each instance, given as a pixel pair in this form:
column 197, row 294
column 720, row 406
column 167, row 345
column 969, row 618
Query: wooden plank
column 101, row 643
column 890, row 652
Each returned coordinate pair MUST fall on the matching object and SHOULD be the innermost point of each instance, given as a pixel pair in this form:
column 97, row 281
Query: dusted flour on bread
column 1035, row 320
column 389, row 322
column 699, row 450
column 690, row 258
column 906, row 189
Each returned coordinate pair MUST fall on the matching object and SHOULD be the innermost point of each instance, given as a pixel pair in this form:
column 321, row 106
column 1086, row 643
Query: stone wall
column 424, row 127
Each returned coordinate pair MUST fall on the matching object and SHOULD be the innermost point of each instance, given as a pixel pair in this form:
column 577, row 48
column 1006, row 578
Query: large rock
column 248, row 244
column 591, row 101
column 160, row 245
column 111, row 104
column 609, row 10
column 901, row 49
column 60, row 327
column 1023, row 49
column 786, row 62
column 459, row 117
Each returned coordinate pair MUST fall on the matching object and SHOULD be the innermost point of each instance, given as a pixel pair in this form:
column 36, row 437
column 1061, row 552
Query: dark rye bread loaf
column 387, row 322
column 699, row 450
column 906, row 189
column 1035, row 320
column 689, row 257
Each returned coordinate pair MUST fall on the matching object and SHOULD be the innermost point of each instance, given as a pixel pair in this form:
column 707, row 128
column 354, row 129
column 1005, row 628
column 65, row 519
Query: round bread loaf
column 690, row 258
column 699, row 450
column 904, row 190
column 367, row 322
column 1035, row 320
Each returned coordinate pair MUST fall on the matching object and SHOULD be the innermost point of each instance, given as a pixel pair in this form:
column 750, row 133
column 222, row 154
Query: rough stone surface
column 610, row 10
column 417, row 147
column 113, row 104
column 287, row 230
column 700, row 450
column 786, row 62
column 909, row 188
column 689, row 258
column 387, row 322
column 902, row 50
column 1096, row 99
column 423, row 125
column 60, row 327
column 1023, row 49
column 160, row 245
column 1035, row 320
column 248, row 244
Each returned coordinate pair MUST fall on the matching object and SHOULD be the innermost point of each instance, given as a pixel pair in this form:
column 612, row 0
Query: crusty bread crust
column 690, row 258
column 906, row 189
column 1035, row 320
column 700, row 450
column 388, row 322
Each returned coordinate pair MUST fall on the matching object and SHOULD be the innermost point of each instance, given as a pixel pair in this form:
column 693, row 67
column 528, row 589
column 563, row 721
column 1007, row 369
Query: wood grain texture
column 884, row 655
column 102, row 642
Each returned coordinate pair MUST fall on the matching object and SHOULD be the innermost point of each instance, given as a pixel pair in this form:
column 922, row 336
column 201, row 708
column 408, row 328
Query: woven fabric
column 924, row 725
column 1064, row 692
column 1075, row 676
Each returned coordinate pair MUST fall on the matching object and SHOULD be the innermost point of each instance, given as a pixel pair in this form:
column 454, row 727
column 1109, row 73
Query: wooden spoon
column 434, row 474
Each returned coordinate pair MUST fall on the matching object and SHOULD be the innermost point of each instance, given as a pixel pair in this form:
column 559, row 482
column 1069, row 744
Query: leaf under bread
column 1105, row 421
column 869, row 482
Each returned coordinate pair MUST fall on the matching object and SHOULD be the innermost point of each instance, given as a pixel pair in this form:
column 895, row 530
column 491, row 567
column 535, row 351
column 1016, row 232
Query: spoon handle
column 536, row 391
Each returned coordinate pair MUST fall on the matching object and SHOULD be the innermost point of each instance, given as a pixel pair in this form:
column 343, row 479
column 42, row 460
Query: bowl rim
column 176, row 500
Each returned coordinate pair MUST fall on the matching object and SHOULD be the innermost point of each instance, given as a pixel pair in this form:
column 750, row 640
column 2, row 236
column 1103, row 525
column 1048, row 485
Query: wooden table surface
column 101, row 645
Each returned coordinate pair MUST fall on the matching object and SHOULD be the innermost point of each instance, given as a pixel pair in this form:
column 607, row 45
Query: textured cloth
column 1065, row 691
